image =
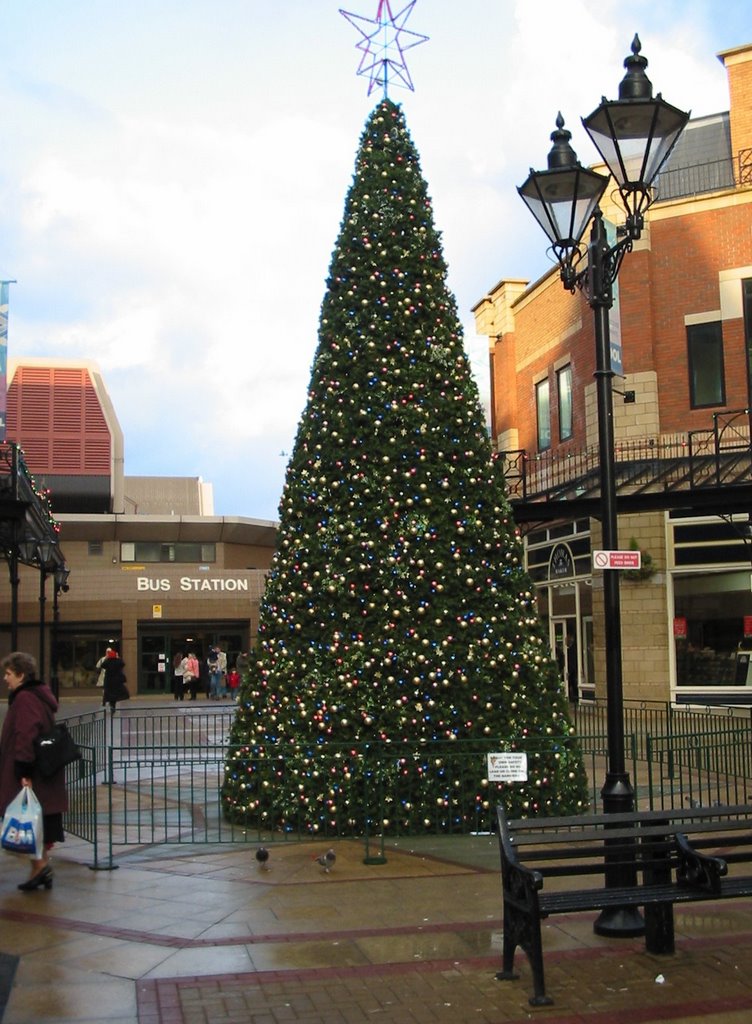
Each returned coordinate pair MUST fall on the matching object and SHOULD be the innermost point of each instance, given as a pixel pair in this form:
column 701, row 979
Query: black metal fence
column 155, row 777
column 645, row 719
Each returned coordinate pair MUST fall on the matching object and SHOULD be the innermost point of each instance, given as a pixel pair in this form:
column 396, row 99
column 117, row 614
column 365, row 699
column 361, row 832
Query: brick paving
column 200, row 935
column 607, row 986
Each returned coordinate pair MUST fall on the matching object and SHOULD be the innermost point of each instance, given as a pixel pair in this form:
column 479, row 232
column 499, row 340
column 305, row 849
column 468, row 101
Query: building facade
column 152, row 571
column 681, row 331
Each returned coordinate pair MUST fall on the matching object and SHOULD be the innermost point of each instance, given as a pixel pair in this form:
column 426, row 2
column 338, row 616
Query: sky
column 173, row 175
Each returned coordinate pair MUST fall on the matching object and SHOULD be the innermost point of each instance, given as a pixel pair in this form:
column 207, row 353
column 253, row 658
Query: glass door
column 565, row 647
column 155, row 673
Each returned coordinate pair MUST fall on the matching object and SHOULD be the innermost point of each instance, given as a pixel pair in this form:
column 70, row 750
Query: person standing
column 178, row 684
column 100, row 668
column 203, row 676
column 233, row 682
column 222, row 666
column 31, row 712
column 191, row 673
column 195, row 670
column 215, row 673
column 115, row 689
column 243, row 664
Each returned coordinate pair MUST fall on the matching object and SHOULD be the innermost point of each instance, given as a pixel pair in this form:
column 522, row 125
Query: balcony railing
column 714, row 457
column 692, row 181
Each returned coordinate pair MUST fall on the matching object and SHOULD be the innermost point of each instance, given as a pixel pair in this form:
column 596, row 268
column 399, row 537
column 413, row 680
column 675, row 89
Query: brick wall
column 738, row 63
column 691, row 245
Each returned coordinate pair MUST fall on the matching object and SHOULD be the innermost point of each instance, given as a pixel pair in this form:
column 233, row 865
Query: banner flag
column 3, row 355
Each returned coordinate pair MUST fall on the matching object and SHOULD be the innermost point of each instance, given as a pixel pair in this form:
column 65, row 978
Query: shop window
column 543, row 411
column 713, row 630
column 564, row 389
column 705, row 354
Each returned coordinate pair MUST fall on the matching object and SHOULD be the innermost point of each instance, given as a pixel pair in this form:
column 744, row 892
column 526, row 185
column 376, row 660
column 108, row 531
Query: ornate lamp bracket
column 596, row 280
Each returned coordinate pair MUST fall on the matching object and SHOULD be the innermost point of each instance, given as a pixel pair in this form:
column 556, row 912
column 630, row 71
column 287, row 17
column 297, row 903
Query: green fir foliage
column 399, row 641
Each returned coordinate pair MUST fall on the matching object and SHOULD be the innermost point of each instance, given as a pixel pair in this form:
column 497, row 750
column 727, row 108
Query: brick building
column 682, row 330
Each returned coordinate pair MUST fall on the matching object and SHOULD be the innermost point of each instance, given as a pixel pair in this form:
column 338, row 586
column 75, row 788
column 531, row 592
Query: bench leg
column 523, row 931
column 659, row 928
column 507, row 973
column 534, row 950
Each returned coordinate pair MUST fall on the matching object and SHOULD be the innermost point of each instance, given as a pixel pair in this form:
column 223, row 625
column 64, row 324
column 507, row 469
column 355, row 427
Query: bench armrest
column 521, row 885
column 698, row 870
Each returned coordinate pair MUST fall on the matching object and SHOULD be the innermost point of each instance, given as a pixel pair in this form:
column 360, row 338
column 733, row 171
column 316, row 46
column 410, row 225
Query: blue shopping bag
column 22, row 825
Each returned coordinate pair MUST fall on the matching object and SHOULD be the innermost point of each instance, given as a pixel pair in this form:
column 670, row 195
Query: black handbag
column 54, row 750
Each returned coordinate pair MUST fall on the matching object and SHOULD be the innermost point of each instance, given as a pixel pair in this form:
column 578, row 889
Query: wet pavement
column 203, row 935
column 198, row 934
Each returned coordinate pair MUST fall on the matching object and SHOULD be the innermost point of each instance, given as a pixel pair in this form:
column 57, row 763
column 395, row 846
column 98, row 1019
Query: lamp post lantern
column 635, row 135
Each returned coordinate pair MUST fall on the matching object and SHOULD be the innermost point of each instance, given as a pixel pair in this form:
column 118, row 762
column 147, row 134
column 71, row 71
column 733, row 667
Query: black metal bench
column 660, row 857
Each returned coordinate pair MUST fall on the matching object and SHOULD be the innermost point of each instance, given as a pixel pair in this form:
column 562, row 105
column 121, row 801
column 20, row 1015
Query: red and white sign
column 617, row 560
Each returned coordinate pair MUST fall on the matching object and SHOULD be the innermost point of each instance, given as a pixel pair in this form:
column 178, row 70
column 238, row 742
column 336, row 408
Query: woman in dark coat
column 31, row 711
column 115, row 689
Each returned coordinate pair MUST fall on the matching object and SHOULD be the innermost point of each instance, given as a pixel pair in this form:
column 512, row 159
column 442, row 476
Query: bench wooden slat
column 522, row 835
column 599, row 899
column 625, row 817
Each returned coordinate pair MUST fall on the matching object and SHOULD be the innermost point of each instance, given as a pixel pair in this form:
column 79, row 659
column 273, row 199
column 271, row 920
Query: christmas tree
column 399, row 641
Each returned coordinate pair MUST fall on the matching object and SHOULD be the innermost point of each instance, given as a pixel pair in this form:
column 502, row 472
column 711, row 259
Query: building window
column 564, row 388
column 543, row 410
column 705, row 351
column 154, row 551
column 747, row 299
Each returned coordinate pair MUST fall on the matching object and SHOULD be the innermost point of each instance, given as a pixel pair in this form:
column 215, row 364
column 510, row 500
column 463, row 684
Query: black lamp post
column 45, row 552
column 635, row 135
column 26, row 553
column 62, row 572
column 40, row 553
column 13, row 560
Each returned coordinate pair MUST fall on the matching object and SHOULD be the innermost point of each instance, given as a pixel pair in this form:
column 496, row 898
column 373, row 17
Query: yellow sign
column 156, row 611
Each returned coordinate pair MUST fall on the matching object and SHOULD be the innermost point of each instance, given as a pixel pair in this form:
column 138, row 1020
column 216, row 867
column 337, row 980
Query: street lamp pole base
column 619, row 922
column 617, row 793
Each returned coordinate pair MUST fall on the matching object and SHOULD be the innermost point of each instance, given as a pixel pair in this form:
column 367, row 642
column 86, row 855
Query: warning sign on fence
column 507, row 767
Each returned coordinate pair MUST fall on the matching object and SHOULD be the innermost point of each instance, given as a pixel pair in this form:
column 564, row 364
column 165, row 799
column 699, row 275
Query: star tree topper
column 383, row 45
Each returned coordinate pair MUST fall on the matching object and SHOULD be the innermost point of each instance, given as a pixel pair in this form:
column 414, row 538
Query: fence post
column 109, row 779
column 633, row 742
column 370, row 858
column 649, row 759
column 109, row 865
